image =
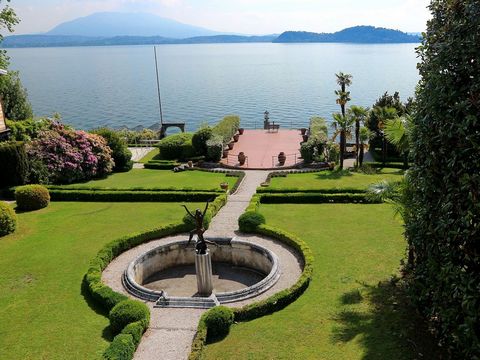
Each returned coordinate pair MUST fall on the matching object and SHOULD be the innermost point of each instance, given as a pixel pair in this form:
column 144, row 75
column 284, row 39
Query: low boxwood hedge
column 218, row 321
column 131, row 196
column 250, row 220
column 315, row 198
column 8, row 219
column 121, row 348
column 160, row 165
column 130, row 189
column 269, row 305
column 268, row 190
column 177, row 147
column 126, row 312
column 32, row 197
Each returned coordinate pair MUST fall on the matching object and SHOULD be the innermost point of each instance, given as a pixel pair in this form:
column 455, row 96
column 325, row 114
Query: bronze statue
column 201, row 245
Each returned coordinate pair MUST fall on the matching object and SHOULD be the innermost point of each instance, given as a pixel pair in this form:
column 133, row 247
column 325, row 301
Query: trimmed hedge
column 227, row 127
column 263, row 190
column 177, row 147
column 389, row 165
column 32, row 197
column 274, row 303
column 250, row 220
column 218, row 321
column 121, row 348
column 131, row 196
column 8, row 219
column 170, row 165
column 126, row 312
column 14, row 164
column 132, row 189
column 240, row 175
column 315, row 198
column 200, row 138
column 214, row 148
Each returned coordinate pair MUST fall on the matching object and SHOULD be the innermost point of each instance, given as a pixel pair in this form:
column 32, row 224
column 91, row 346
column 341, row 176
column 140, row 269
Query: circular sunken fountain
column 166, row 274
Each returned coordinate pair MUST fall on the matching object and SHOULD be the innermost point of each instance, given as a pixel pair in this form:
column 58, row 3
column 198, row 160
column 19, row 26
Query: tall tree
column 364, row 136
column 359, row 114
column 343, row 97
column 384, row 114
column 342, row 126
column 443, row 219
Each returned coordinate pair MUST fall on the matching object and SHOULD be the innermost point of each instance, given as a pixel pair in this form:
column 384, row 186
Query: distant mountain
column 110, row 24
column 357, row 34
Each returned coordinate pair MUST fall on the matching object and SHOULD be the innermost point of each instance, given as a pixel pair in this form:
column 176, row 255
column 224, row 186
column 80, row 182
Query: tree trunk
column 405, row 160
column 357, row 142
column 342, row 148
column 360, row 156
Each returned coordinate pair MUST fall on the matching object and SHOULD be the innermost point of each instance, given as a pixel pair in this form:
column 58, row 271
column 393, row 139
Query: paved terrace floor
column 261, row 146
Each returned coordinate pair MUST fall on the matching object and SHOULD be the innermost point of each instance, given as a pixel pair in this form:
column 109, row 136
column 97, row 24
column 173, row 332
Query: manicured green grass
column 44, row 312
column 334, row 180
column 345, row 313
column 153, row 154
column 146, row 178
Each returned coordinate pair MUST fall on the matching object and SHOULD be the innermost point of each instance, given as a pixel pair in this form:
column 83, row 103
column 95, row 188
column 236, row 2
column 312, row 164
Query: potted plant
column 224, row 186
column 240, row 131
column 225, row 153
column 241, row 158
column 303, row 131
column 230, row 145
column 235, row 137
column 282, row 158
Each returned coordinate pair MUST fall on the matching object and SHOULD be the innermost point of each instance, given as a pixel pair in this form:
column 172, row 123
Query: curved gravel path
column 172, row 330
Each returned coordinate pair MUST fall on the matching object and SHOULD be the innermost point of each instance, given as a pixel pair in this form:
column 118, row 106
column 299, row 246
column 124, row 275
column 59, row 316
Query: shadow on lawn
column 107, row 333
column 333, row 175
column 390, row 329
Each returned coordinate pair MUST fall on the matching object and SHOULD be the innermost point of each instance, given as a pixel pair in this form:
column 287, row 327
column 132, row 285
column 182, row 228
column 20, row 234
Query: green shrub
column 14, row 164
column 177, row 147
column 120, row 153
column 130, row 196
column 250, row 220
column 307, row 150
column 161, row 166
column 316, row 198
column 318, row 127
column 200, row 138
column 8, row 219
column 32, row 197
column 126, row 312
column 218, row 321
column 227, row 127
column 136, row 329
column 214, row 148
column 121, row 348
column 26, row 130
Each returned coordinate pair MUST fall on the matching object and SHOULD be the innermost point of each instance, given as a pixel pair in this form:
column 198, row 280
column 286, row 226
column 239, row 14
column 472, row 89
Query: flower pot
column 224, row 186
column 240, row 131
column 235, row 137
column 282, row 158
column 230, row 145
column 303, row 131
column 241, row 158
column 225, row 153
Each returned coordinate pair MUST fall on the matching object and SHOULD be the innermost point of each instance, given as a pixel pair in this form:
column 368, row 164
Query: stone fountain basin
column 230, row 252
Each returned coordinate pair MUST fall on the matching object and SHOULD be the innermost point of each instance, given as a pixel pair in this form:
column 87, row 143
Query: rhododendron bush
column 71, row 155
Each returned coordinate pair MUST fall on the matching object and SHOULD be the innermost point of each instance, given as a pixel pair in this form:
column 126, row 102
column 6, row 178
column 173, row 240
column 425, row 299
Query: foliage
column 126, row 312
column 8, row 219
column 316, row 198
column 307, row 151
column 218, row 321
column 177, row 147
column 71, row 155
column 200, row 139
column 161, row 164
column 214, row 148
column 315, row 146
column 250, row 220
column 15, row 99
column 358, row 114
column 364, row 135
column 341, row 120
column 120, row 153
column 134, row 137
column 27, row 130
column 332, row 151
column 227, row 127
column 442, row 218
column 32, row 197
column 318, row 127
column 397, row 132
column 14, row 163
column 121, row 348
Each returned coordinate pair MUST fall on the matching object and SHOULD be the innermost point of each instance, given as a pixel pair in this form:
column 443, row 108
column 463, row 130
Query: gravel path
column 172, row 330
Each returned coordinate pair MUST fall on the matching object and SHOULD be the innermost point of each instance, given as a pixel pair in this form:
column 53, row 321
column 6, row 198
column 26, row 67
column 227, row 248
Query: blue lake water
column 115, row 86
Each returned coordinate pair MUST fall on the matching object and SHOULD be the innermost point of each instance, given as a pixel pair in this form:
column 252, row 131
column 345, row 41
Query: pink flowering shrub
column 70, row 155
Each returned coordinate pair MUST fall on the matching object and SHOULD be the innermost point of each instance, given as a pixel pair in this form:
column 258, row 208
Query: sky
column 237, row 16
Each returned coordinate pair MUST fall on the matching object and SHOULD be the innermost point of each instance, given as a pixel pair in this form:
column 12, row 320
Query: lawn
column 345, row 313
column 44, row 312
column 146, row 178
column 151, row 155
column 334, row 180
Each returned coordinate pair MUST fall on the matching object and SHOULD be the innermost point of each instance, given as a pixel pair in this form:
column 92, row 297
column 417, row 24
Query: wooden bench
column 273, row 127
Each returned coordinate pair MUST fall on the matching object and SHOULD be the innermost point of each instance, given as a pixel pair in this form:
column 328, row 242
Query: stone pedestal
column 203, row 267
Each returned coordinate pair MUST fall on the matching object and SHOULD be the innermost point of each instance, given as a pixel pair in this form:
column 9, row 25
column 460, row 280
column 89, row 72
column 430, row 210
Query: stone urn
column 303, row 131
column 235, row 137
column 224, row 186
column 225, row 153
column 241, row 158
column 230, row 145
column 190, row 164
column 240, row 131
column 282, row 158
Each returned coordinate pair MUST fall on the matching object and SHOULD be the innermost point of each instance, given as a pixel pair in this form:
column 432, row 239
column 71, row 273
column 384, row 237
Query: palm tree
column 383, row 114
column 365, row 135
column 343, row 80
column 397, row 131
column 359, row 115
column 343, row 127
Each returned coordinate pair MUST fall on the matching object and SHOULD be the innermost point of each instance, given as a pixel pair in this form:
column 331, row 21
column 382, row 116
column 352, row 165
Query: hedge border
column 120, row 347
column 133, row 189
column 316, row 198
column 130, row 196
column 266, row 190
column 272, row 304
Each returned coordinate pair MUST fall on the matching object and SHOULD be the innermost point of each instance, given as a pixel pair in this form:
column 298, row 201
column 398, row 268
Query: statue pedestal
column 203, row 267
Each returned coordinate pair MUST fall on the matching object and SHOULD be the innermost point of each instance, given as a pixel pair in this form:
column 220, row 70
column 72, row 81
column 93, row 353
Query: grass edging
column 272, row 304
column 125, row 343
